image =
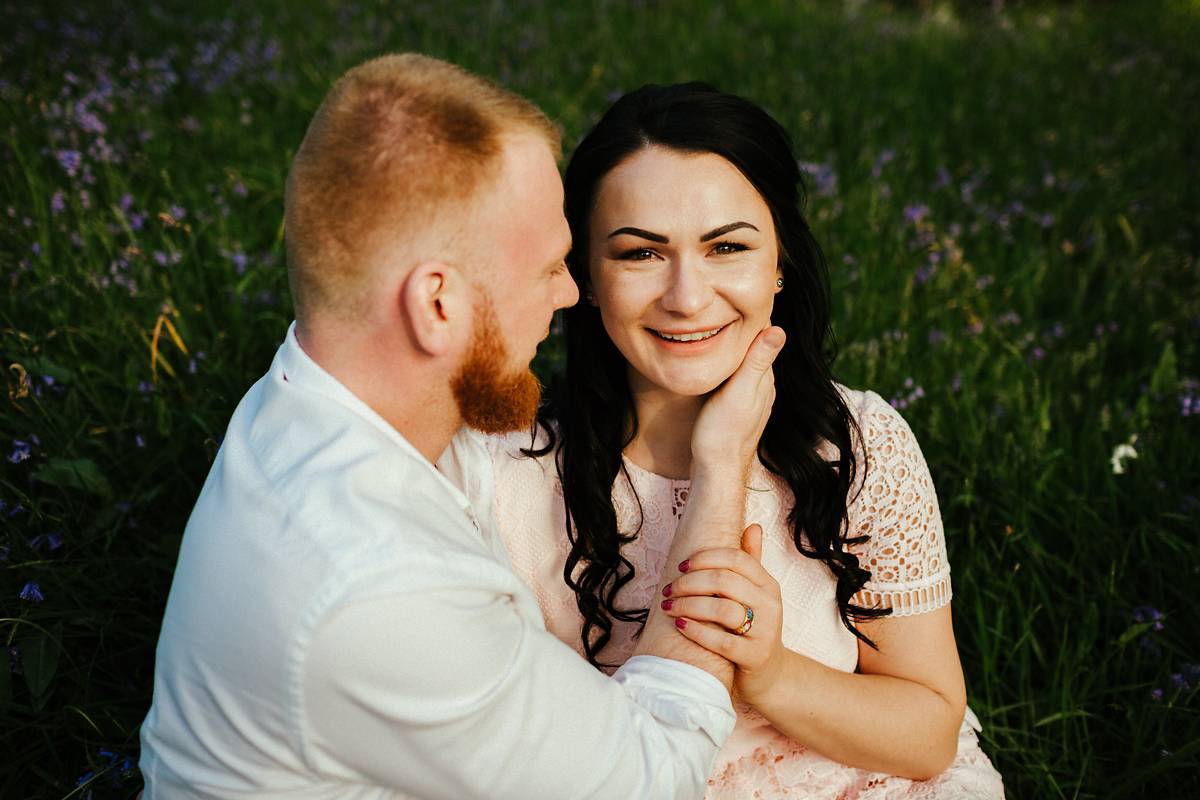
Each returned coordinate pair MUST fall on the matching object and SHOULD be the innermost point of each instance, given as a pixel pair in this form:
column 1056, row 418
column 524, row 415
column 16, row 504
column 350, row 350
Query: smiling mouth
column 696, row 336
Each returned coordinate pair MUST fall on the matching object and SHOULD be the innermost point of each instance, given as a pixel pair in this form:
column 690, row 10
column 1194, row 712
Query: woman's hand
column 734, row 416
column 710, row 601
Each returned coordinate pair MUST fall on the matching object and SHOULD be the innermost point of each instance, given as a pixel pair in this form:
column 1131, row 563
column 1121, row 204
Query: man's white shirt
column 344, row 622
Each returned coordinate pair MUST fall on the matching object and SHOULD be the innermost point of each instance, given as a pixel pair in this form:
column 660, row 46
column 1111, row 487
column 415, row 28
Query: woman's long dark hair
column 591, row 415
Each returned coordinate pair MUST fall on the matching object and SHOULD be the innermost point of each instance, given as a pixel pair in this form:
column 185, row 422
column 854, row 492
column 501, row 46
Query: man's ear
column 435, row 302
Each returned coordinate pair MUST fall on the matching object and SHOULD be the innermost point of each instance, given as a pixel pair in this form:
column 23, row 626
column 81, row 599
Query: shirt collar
column 299, row 370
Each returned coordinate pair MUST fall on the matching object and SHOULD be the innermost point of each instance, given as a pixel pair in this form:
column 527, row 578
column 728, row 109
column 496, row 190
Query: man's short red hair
column 399, row 144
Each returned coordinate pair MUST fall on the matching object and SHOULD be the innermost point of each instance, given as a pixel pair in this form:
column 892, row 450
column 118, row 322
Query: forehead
column 660, row 189
column 528, row 203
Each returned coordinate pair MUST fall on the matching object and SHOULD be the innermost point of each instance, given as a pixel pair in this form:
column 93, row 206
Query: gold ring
column 747, row 624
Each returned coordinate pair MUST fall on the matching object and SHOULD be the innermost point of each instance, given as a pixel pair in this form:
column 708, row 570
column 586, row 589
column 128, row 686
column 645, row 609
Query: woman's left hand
column 719, row 589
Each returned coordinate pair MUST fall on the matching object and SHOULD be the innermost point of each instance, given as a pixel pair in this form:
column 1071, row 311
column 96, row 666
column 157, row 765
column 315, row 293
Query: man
column 343, row 622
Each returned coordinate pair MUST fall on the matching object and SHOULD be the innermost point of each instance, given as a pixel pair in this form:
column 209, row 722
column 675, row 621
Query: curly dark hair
column 591, row 416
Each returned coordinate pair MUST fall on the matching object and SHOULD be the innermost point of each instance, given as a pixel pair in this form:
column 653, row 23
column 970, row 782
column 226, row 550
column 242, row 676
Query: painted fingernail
column 680, row 623
column 666, row 604
column 667, row 590
column 685, row 564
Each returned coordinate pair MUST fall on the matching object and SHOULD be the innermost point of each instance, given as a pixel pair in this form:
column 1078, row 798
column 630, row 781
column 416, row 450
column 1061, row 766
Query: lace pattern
column 895, row 505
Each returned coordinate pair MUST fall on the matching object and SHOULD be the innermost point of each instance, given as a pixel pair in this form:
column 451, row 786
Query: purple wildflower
column 824, row 175
column 936, row 337
column 1038, row 353
column 70, row 161
column 160, row 258
column 32, row 592
column 85, row 199
column 126, row 203
column 1148, row 613
column 177, row 211
column 139, row 440
column 58, row 202
column 1156, row 695
column 916, row 213
column 240, row 189
column 21, row 452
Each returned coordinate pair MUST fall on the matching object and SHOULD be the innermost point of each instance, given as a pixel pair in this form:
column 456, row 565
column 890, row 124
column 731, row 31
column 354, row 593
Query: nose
column 689, row 291
column 566, row 292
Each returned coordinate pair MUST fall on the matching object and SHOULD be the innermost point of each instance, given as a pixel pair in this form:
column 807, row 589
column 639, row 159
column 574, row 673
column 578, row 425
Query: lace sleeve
column 897, row 508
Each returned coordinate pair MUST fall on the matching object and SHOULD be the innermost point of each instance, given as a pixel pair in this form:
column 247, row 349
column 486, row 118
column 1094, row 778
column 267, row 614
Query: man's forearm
column 713, row 517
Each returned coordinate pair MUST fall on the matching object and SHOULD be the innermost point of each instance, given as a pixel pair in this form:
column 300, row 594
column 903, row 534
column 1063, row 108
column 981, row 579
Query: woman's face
column 683, row 261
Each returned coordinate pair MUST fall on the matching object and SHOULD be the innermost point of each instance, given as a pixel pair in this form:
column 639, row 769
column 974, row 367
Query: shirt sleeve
column 897, row 508
column 455, row 694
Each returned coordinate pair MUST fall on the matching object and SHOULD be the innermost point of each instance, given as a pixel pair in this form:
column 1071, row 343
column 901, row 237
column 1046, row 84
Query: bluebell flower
column 139, row 440
column 32, row 592
column 21, row 452
column 70, row 161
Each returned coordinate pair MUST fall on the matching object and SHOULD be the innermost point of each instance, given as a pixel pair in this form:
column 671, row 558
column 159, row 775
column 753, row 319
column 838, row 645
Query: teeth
column 689, row 337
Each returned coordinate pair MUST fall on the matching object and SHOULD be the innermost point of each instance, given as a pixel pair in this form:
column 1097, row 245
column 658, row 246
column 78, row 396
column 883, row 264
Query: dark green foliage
column 1008, row 201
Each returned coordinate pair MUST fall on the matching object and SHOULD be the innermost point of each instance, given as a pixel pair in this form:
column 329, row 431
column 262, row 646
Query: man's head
column 421, row 197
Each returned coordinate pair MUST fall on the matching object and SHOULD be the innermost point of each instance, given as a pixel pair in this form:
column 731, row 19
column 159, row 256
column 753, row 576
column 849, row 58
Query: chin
column 693, row 385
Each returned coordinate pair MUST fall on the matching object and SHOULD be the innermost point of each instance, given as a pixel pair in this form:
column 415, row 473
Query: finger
column 728, row 614
column 766, row 346
column 756, row 365
column 714, row 582
column 729, row 558
column 752, row 542
column 717, row 640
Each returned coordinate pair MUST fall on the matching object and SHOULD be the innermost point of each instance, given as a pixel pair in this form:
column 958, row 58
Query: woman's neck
column 663, row 444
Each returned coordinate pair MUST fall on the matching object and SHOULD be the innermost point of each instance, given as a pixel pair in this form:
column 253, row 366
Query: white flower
column 1122, row 453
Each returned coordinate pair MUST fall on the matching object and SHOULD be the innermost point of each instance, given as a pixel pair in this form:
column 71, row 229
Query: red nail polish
column 667, row 590
column 681, row 623
column 683, row 565
column 666, row 604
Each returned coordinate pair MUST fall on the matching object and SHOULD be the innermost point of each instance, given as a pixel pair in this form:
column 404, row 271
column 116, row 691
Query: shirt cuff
column 679, row 695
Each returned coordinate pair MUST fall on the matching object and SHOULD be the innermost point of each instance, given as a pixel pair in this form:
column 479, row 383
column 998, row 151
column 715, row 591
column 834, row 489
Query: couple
column 381, row 593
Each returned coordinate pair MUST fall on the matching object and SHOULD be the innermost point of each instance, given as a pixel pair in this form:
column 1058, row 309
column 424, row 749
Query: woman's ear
column 435, row 303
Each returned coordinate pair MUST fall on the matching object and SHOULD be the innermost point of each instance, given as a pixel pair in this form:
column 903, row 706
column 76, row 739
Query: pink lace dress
column 906, row 555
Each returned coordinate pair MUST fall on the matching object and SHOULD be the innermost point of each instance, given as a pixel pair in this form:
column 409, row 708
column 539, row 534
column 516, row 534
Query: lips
column 687, row 336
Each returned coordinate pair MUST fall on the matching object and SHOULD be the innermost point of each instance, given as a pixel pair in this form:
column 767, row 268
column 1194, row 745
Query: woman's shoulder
column 875, row 417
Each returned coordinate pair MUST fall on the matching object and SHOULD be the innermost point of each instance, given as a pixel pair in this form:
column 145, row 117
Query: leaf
column 41, row 365
column 1165, row 379
column 1133, row 632
column 79, row 473
column 40, row 659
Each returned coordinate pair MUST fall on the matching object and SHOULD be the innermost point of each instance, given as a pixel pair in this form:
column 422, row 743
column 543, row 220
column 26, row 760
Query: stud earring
column 589, row 298
column 779, row 282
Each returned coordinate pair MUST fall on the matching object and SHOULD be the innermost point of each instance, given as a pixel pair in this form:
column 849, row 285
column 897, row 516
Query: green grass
column 1052, row 146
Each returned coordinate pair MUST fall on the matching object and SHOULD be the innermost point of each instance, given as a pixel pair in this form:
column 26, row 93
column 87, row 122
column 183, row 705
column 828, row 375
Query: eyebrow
column 658, row 237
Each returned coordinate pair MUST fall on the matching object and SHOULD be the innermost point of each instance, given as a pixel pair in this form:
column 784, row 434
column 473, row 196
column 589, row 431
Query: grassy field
column 1010, row 209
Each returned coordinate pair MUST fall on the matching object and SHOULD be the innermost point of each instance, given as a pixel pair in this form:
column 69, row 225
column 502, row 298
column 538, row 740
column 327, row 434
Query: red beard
column 489, row 399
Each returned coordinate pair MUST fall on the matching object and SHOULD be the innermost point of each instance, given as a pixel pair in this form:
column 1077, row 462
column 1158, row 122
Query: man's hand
column 727, row 431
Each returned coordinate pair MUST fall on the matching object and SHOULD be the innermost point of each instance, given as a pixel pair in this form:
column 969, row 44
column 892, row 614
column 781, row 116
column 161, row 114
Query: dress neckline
column 642, row 471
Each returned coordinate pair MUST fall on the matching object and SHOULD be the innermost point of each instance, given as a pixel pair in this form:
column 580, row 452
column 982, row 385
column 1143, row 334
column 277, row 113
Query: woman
column 684, row 206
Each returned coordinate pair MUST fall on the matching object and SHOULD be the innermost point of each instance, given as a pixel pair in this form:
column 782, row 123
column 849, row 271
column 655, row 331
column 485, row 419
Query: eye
column 637, row 254
column 726, row 248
